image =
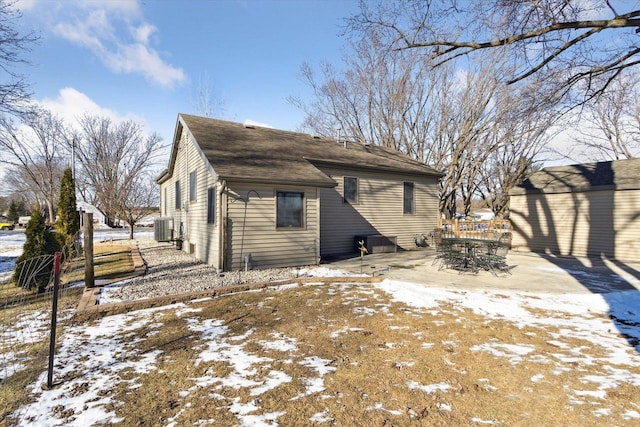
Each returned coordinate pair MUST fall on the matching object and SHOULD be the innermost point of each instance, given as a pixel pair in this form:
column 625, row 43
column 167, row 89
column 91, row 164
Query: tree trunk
column 52, row 216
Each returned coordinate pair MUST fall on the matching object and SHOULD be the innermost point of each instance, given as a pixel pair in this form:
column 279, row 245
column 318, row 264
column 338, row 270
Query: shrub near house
column 39, row 241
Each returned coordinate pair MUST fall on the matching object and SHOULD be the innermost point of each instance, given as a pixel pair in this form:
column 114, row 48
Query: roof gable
column 612, row 175
column 257, row 154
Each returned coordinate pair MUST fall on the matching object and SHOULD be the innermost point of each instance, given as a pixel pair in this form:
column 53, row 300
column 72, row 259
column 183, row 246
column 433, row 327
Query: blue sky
column 145, row 59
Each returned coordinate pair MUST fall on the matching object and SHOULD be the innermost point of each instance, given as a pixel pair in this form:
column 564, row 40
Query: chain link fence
column 26, row 326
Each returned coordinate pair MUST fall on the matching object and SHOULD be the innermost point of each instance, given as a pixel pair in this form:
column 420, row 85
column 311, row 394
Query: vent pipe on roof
column 339, row 137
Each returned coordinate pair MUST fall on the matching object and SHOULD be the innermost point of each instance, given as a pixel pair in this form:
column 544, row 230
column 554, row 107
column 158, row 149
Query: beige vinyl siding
column 590, row 223
column 379, row 210
column 257, row 234
column 198, row 236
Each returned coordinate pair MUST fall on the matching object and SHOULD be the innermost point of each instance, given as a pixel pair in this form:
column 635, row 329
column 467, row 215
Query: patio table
column 473, row 254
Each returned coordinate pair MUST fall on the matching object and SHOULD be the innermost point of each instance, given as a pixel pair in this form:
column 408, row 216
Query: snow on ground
column 92, row 357
column 11, row 243
column 111, row 350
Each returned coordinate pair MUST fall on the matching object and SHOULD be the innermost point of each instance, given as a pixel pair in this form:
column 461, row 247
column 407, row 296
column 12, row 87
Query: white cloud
column 139, row 58
column 24, row 4
column 117, row 34
column 71, row 105
column 144, row 32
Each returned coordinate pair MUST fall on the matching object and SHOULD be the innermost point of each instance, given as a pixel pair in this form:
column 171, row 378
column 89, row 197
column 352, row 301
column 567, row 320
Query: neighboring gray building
column 280, row 196
column 590, row 209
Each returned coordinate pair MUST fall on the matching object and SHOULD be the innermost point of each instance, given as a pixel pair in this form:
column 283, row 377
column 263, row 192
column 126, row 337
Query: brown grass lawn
column 24, row 327
column 340, row 354
column 109, row 261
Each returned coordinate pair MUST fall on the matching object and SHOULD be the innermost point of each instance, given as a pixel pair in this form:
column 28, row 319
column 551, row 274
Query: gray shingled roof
column 619, row 175
column 261, row 154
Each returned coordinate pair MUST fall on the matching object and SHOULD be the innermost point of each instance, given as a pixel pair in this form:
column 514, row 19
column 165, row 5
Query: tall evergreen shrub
column 39, row 241
column 68, row 222
column 13, row 213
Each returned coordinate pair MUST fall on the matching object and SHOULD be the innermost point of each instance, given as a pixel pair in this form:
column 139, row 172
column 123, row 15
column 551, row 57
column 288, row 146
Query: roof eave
column 519, row 191
column 377, row 168
column 163, row 177
column 299, row 183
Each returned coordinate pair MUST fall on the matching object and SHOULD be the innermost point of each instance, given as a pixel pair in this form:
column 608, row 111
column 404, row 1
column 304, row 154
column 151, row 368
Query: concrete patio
column 530, row 272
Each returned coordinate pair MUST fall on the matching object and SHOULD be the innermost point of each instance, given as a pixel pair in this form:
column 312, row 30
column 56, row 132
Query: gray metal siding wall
column 379, row 210
column 592, row 223
column 254, row 231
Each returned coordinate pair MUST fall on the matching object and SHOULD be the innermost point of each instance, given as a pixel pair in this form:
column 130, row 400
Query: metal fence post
column 54, row 316
column 89, row 276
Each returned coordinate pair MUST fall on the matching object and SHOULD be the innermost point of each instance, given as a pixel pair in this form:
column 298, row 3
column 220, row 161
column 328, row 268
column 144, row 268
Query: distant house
column 281, row 198
column 84, row 207
column 590, row 209
column 482, row 214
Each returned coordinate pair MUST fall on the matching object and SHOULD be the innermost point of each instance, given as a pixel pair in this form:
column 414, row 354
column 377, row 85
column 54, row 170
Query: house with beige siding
column 235, row 193
column 590, row 209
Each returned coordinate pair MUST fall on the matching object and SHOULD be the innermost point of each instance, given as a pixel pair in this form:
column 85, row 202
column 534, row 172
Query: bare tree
column 113, row 157
column 610, row 126
column 14, row 89
column 452, row 120
column 566, row 44
column 36, row 152
column 510, row 164
column 142, row 199
column 382, row 97
column 206, row 101
column 22, row 184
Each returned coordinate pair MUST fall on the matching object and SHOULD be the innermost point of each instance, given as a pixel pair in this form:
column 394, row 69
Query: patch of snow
column 445, row 407
column 320, row 417
column 537, row 378
column 273, row 380
column 429, row 388
column 485, row 422
column 93, row 369
column 280, row 343
column 336, row 334
column 630, row 414
column 511, row 351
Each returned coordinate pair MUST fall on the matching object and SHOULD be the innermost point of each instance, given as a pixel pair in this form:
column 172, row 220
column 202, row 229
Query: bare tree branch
column 554, row 39
column 113, row 158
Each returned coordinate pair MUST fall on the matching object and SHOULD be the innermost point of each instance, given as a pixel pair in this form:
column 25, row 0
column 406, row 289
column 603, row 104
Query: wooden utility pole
column 89, row 276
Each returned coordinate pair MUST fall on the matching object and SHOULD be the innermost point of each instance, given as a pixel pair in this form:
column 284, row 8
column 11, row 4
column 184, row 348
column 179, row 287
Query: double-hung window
column 177, row 195
column 192, row 186
column 289, row 209
column 408, row 204
column 211, row 205
column 351, row 190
